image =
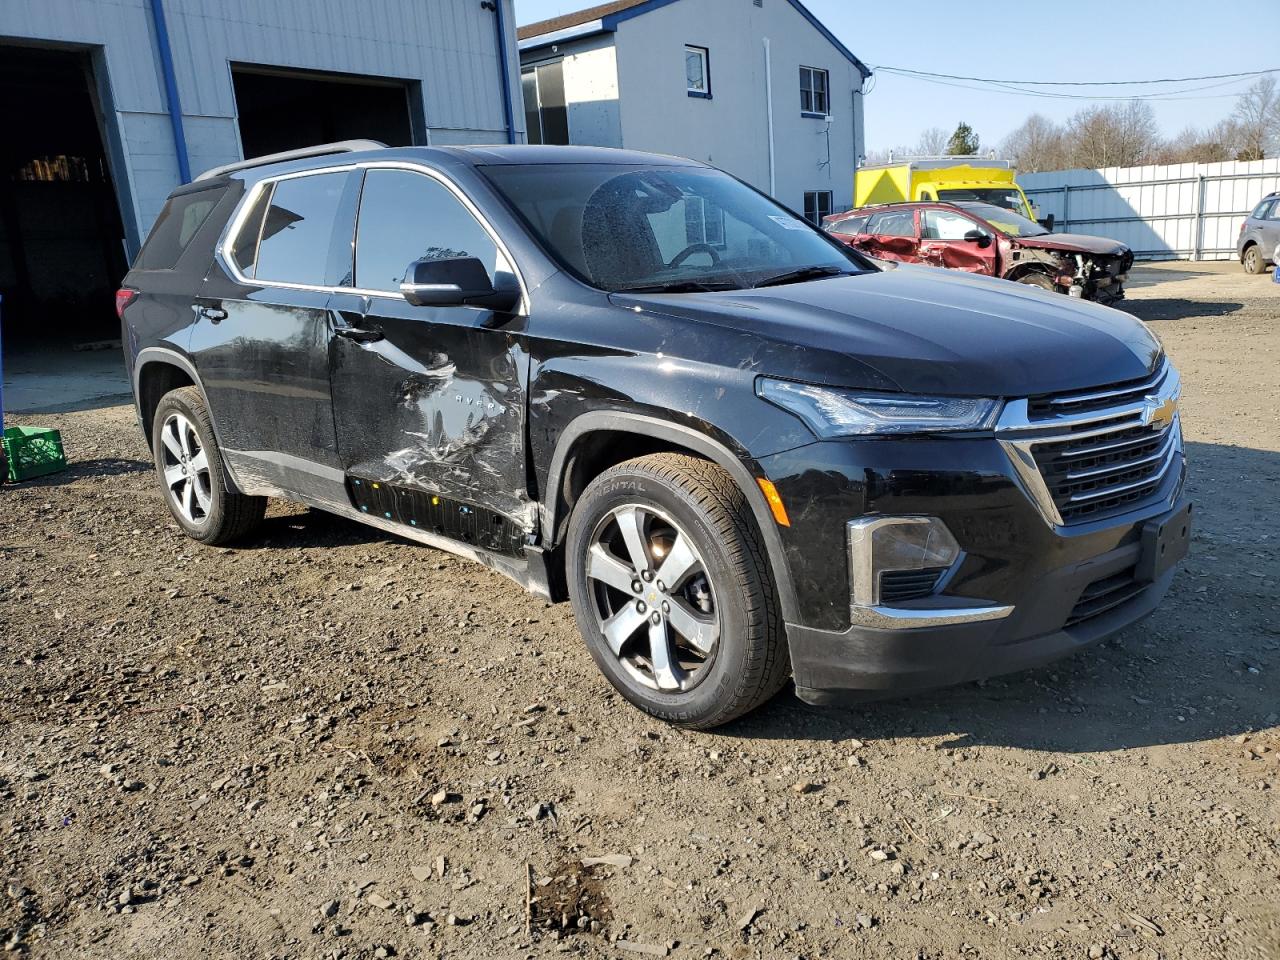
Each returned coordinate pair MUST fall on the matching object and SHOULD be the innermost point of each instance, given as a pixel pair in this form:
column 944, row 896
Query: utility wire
column 1075, row 83
column 1163, row 96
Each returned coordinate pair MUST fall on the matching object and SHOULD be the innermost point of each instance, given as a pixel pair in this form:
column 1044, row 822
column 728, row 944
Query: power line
column 997, row 86
column 1076, row 83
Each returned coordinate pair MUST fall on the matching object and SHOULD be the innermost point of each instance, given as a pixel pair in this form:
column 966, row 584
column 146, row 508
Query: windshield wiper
column 681, row 286
column 804, row 273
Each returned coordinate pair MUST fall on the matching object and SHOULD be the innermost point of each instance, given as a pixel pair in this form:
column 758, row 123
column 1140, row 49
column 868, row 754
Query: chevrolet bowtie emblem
column 1160, row 411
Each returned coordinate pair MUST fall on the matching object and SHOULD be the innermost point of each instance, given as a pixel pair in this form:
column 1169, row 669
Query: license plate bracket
column 1165, row 542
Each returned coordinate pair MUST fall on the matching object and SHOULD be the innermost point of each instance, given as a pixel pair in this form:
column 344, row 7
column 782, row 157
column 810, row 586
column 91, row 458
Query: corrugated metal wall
column 448, row 47
column 1186, row 210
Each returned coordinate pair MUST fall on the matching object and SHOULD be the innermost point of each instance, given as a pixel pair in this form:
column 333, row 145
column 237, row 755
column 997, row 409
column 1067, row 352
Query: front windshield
column 996, row 196
column 673, row 229
column 1006, row 221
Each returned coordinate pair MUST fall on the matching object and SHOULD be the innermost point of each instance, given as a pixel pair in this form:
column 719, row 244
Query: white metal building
column 107, row 105
column 759, row 88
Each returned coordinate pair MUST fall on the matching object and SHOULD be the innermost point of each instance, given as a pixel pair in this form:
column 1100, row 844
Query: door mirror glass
column 456, row 282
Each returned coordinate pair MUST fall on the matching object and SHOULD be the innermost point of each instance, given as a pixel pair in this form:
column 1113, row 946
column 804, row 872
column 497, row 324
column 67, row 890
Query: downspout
column 768, row 99
column 500, row 25
column 171, row 90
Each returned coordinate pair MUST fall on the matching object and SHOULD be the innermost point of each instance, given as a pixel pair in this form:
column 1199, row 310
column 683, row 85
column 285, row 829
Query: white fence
column 1180, row 211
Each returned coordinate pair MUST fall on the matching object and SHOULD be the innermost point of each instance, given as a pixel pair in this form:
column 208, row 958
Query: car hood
column 923, row 330
column 1073, row 243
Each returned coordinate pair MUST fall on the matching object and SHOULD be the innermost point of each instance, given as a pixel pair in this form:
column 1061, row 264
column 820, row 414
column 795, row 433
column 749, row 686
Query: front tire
column 193, row 475
column 1252, row 260
column 672, row 590
column 1037, row 279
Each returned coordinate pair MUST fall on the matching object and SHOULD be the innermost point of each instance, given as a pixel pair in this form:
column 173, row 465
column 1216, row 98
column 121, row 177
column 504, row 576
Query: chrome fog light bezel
column 867, row 551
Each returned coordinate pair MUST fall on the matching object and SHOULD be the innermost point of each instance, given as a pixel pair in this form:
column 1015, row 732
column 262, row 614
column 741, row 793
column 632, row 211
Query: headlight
column 831, row 412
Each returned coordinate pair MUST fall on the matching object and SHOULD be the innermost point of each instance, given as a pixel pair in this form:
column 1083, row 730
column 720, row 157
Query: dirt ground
column 332, row 743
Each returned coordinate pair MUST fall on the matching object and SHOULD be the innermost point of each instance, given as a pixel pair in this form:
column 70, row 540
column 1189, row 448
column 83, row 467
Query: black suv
column 742, row 451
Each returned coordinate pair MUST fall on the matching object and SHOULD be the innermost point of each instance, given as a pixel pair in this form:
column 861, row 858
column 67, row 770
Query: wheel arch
column 623, row 435
column 157, row 371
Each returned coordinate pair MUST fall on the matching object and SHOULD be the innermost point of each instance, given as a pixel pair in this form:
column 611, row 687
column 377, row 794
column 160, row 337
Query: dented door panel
column 437, row 404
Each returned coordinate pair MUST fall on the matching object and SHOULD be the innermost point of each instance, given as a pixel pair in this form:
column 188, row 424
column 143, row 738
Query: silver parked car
column 1259, row 235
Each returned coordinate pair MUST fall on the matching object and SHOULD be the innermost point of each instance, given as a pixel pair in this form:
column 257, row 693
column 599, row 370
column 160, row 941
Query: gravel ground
column 331, row 743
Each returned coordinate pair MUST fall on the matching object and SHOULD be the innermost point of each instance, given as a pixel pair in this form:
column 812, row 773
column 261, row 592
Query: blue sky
column 1085, row 40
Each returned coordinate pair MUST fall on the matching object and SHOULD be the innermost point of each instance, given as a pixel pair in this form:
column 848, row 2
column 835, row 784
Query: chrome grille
column 1095, row 453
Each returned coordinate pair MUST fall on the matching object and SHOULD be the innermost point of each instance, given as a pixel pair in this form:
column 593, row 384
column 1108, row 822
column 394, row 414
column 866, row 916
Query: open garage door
column 284, row 110
column 61, row 239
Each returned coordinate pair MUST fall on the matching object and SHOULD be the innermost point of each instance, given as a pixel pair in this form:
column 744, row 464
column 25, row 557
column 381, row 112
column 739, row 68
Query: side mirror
column 1047, row 222
column 456, row 282
column 978, row 237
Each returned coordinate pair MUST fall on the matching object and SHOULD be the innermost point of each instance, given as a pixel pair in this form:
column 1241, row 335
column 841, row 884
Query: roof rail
column 320, row 150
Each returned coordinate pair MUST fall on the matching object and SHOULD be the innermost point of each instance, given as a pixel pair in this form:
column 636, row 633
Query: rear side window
column 898, row 224
column 298, row 229
column 178, row 222
column 850, row 227
column 408, row 216
column 1261, row 210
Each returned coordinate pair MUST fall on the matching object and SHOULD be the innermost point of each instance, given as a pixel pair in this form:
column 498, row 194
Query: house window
column 817, row 204
column 813, row 92
column 697, row 72
column 546, row 115
column 702, row 225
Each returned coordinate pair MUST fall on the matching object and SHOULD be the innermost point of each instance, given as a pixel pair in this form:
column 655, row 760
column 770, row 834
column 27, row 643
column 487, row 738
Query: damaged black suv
column 742, row 451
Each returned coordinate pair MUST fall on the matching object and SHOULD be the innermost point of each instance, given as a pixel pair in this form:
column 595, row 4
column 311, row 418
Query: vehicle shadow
column 1203, row 666
column 1173, row 308
column 306, row 528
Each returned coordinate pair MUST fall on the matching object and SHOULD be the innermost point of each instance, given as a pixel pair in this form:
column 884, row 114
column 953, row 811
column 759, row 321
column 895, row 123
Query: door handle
column 360, row 334
column 212, row 314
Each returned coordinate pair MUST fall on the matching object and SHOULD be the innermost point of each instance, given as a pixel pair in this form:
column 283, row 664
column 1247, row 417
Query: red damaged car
column 983, row 238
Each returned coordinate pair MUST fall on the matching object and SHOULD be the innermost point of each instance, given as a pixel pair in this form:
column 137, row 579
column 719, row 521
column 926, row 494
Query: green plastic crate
column 33, row 452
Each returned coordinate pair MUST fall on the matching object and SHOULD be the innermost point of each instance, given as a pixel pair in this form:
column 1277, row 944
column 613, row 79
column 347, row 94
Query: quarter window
column 817, row 205
column 813, row 92
column 178, row 222
column 697, row 71
column 297, row 232
column 407, row 216
column 1261, row 210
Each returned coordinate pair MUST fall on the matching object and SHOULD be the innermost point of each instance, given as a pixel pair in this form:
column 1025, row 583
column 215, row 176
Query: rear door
column 891, row 235
column 429, row 401
column 943, row 243
column 261, row 343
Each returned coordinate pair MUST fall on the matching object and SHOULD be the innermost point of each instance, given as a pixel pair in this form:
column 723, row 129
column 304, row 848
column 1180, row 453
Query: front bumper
column 1025, row 591
column 863, row 662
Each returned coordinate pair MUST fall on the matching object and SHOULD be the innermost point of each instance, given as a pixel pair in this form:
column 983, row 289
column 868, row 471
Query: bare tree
column 932, row 142
column 1257, row 115
column 1036, row 145
column 1112, row 136
column 1192, row 145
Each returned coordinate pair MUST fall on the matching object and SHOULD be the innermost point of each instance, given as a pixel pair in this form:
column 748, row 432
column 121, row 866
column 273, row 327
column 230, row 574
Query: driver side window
column 945, row 225
column 406, row 216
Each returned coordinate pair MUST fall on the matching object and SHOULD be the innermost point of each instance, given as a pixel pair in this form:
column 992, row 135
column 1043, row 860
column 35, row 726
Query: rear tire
column 193, row 475
column 709, row 646
column 1037, row 279
column 1252, row 260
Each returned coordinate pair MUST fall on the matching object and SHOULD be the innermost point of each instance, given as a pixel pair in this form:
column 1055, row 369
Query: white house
column 759, row 88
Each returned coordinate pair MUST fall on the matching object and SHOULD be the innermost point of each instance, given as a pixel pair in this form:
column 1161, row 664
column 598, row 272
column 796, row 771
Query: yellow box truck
column 941, row 178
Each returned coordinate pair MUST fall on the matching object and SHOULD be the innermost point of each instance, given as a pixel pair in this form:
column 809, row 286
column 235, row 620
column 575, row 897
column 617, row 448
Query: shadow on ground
column 1175, row 309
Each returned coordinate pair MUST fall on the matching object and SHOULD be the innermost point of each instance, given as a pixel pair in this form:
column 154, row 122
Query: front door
column 943, row 242
column 261, row 338
column 429, row 402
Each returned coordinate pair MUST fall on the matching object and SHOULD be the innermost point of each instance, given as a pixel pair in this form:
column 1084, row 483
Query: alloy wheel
column 653, row 599
column 186, row 468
